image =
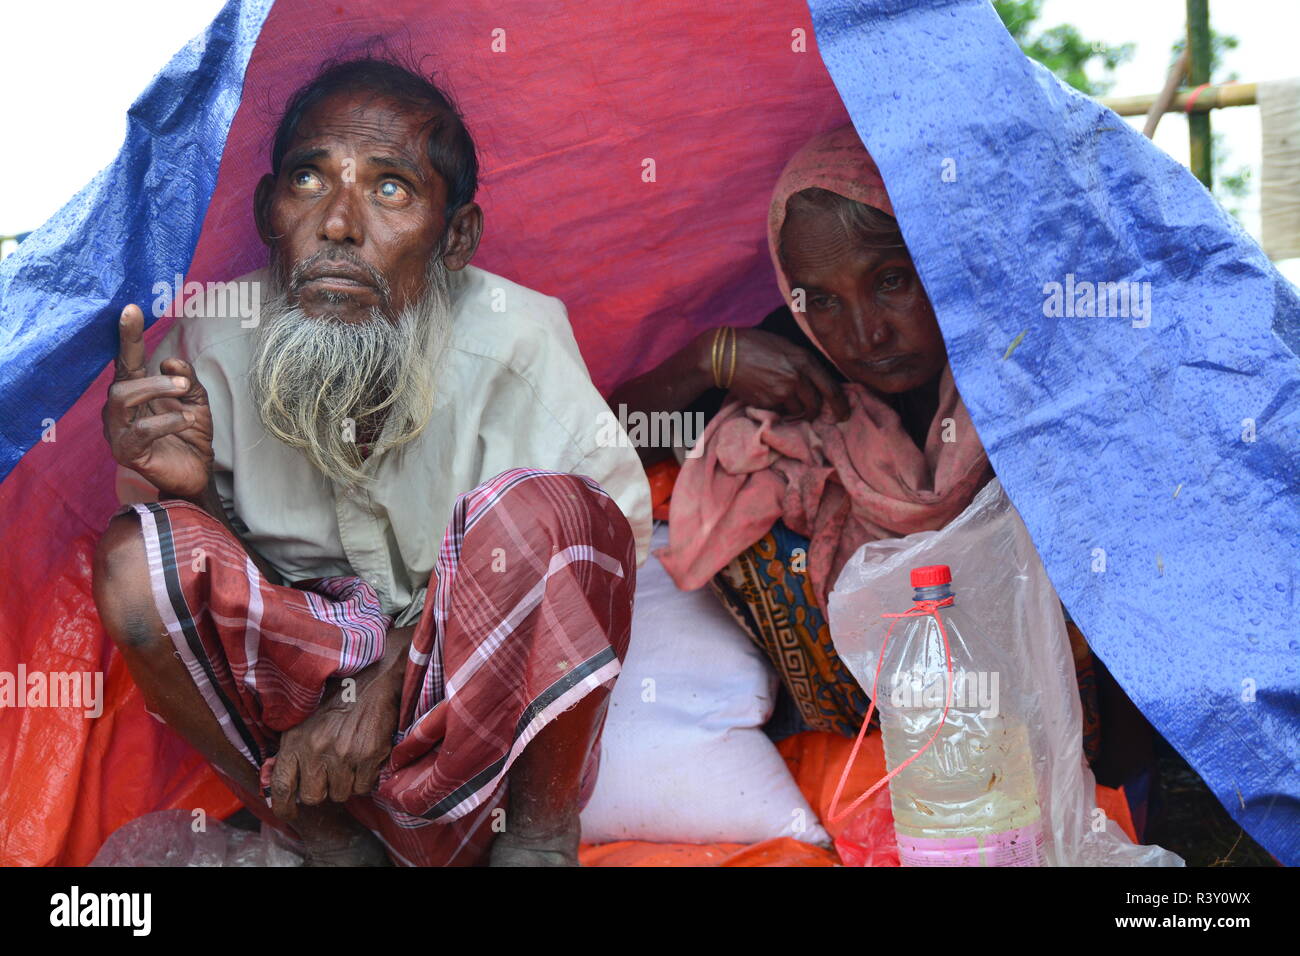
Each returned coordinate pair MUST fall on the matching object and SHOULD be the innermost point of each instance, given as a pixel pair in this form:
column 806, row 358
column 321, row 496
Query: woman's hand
column 773, row 373
column 770, row 372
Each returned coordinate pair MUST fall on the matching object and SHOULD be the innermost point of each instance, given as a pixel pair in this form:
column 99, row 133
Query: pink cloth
column 840, row 484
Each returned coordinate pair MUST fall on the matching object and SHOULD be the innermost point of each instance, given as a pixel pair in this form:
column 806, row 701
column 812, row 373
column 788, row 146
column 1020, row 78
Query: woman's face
column 864, row 305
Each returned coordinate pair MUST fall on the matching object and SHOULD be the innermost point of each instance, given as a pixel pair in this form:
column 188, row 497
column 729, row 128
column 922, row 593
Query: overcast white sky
column 68, row 88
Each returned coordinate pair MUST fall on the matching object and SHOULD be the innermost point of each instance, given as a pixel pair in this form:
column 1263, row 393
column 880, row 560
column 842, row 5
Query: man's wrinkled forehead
column 365, row 126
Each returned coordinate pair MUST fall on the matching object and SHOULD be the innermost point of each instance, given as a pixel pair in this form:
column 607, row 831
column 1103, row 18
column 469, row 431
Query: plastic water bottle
column 971, row 798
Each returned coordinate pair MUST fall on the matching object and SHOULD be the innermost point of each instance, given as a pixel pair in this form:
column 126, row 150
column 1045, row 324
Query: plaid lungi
column 529, row 609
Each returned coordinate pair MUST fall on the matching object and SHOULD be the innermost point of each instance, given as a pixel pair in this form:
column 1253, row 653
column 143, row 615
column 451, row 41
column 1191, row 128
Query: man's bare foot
column 331, row 837
column 555, row 846
column 361, row 849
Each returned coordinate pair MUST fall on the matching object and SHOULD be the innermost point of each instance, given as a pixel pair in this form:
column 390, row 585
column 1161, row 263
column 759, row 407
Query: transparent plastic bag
column 168, row 838
column 998, row 577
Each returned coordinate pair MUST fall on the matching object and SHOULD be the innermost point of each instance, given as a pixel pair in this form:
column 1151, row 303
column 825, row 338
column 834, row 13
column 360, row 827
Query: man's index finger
column 130, row 354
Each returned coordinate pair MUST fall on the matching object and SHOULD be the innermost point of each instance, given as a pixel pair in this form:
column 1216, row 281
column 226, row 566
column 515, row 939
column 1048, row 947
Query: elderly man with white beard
column 382, row 575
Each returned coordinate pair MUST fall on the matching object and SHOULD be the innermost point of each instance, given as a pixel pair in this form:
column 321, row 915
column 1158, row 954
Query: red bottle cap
column 932, row 575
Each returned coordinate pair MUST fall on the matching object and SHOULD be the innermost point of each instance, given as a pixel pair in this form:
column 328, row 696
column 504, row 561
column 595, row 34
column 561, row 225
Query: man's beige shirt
column 513, row 391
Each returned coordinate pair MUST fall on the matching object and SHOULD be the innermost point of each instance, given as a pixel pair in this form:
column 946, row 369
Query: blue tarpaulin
column 1155, row 458
column 62, row 289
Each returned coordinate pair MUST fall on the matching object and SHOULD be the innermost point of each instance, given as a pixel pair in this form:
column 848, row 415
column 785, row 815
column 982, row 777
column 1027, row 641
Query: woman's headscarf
column 840, row 484
column 837, row 162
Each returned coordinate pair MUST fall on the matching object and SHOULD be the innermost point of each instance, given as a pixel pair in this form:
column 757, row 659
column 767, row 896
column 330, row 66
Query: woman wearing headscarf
column 841, row 425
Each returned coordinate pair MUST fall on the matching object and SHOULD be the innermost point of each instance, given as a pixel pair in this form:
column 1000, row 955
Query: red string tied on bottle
column 918, row 609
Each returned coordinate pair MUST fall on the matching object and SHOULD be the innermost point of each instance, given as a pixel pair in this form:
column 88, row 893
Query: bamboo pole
column 1211, row 98
column 1198, row 123
column 1161, row 105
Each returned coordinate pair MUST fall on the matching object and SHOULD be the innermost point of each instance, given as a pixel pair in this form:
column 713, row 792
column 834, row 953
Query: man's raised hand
column 158, row 425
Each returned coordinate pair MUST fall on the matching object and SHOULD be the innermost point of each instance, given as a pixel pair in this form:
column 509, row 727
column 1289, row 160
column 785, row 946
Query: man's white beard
column 317, row 381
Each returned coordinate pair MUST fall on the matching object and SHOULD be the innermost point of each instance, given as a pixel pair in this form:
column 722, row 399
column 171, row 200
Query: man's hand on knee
column 337, row 752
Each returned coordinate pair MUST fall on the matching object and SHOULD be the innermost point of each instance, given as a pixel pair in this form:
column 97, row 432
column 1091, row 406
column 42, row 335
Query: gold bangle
column 713, row 357
column 717, row 358
column 731, row 370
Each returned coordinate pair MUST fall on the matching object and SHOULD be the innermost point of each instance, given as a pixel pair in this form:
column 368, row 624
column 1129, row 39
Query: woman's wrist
column 712, row 355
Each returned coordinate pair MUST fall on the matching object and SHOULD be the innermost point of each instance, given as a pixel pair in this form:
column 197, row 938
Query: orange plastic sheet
column 816, row 760
column 72, row 781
